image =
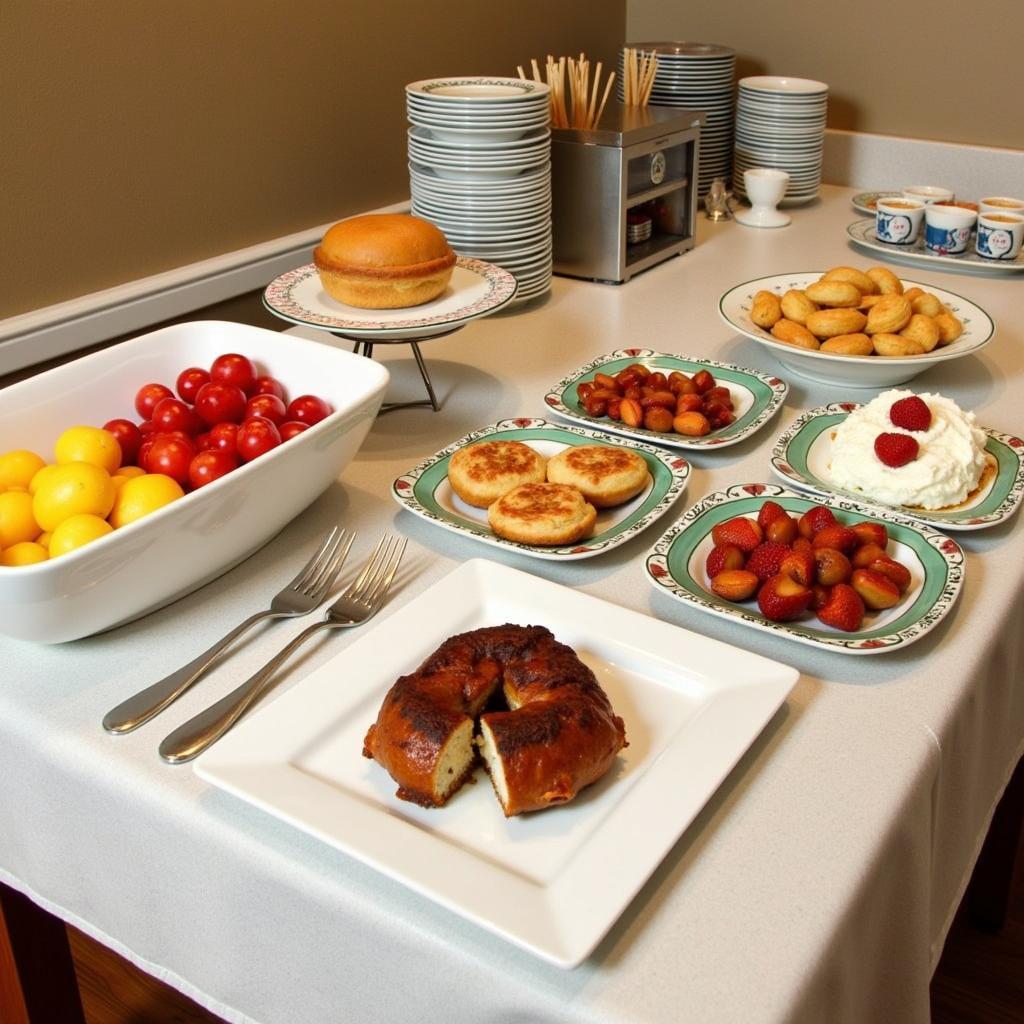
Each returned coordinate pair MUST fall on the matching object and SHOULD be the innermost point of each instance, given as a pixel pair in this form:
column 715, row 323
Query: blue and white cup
column 898, row 220
column 947, row 229
column 999, row 236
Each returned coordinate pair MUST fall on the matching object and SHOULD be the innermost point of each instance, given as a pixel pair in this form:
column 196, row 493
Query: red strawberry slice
column 895, row 450
column 769, row 510
column 816, row 518
column 911, row 414
column 766, row 559
column 843, row 610
column 728, row 556
column 783, row 599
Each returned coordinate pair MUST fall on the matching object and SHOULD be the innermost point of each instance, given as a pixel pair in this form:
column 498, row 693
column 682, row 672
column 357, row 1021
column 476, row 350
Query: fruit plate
column 551, row 882
column 757, row 396
column 853, row 371
column 425, row 490
column 862, row 233
column 675, row 565
column 476, row 289
column 802, row 454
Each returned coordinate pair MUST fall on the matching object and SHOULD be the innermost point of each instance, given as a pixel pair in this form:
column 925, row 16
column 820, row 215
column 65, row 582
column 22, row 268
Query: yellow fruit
column 17, row 469
column 41, row 475
column 88, row 444
column 71, row 490
column 44, row 539
column 17, row 522
column 140, row 495
column 25, row 553
column 126, row 473
column 76, row 531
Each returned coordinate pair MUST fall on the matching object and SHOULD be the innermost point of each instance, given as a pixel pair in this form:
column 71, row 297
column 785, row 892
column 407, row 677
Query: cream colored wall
column 136, row 137
column 936, row 69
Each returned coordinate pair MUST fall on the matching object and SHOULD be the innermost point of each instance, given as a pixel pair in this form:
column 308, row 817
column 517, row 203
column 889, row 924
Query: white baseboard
column 56, row 330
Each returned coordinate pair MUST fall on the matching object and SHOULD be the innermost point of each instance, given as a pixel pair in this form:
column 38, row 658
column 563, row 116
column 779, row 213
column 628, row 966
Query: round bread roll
column 604, row 475
column 384, row 261
column 544, row 514
column 481, row 473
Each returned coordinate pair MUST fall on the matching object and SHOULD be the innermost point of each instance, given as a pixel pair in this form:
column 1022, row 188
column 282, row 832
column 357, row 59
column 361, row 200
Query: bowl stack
column 697, row 76
column 480, row 169
column 780, row 122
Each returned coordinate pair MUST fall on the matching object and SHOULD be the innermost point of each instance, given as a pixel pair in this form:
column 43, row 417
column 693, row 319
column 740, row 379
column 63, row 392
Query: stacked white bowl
column 480, row 169
column 697, row 76
column 780, row 123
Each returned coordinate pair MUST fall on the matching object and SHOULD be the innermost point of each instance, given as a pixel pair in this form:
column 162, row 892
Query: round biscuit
column 603, row 474
column 543, row 514
column 481, row 473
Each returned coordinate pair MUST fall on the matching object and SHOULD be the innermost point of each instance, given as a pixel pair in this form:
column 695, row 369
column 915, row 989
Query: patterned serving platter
column 802, row 454
column 676, row 566
column 756, row 396
column 425, row 490
column 476, row 289
column 866, row 202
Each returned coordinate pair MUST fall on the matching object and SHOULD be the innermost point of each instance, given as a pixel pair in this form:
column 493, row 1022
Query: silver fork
column 360, row 602
column 299, row 597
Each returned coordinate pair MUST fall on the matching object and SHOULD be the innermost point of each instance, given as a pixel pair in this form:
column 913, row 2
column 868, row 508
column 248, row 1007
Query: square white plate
column 551, row 882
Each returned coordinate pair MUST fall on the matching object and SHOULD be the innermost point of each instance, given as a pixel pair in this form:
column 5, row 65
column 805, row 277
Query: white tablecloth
column 817, row 884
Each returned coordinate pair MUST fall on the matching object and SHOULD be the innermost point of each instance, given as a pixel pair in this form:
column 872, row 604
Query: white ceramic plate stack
column 697, row 76
column 780, row 122
column 480, row 169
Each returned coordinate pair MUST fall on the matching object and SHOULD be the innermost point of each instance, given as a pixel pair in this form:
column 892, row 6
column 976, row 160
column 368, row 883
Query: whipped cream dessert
column 948, row 466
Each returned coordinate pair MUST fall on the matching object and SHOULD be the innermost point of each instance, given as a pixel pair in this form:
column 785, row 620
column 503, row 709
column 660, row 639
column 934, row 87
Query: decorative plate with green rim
column 802, row 454
column 936, row 563
column 756, row 397
column 866, row 202
column 426, row 492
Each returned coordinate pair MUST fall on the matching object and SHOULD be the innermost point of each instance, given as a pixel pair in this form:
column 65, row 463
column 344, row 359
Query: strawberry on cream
column 947, row 468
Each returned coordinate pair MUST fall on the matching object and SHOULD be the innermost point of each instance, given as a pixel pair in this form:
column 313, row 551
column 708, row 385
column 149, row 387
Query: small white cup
column 765, row 187
column 898, row 220
column 928, row 194
column 1002, row 204
column 947, row 229
column 999, row 235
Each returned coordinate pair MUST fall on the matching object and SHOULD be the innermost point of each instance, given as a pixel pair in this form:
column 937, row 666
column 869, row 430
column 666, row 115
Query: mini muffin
column 605, row 476
column 543, row 514
column 481, row 473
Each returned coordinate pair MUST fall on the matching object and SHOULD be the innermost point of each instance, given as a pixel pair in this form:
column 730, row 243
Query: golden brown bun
column 604, row 475
column 542, row 514
column 384, row 261
column 481, row 473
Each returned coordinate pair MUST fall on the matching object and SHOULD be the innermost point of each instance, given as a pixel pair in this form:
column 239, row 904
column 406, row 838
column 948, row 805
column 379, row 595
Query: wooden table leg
column 989, row 890
column 37, row 974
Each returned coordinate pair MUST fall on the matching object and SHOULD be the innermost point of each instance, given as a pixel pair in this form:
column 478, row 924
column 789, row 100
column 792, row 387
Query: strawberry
column 871, row 533
column 766, row 559
column 820, row 596
column 735, row 584
column 839, row 537
column 866, row 554
column 769, row 510
column 727, row 556
column 703, row 381
column 833, row 566
column 801, row 566
column 744, row 533
column 816, row 518
column 896, row 571
column 783, row 599
column 843, row 610
column 911, row 414
column 802, row 544
column 895, row 450
column 876, row 590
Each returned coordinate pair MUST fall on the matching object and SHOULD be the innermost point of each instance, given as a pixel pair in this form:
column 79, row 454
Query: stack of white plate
column 697, row 76
column 480, row 169
column 780, row 122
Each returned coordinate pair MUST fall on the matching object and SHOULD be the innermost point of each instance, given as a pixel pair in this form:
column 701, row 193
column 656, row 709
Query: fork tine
column 379, row 569
column 383, row 584
column 303, row 575
column 356, row 587
column 329, row 573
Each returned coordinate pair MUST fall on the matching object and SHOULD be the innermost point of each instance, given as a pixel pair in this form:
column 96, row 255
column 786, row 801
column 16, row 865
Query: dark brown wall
column 139, row 136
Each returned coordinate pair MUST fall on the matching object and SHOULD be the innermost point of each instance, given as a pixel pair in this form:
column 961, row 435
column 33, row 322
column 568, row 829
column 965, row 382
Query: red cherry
column 308, row 409
column 129, row 437
column 231, row 368
column 270, row 407
column 147, row 396
column 291, row 429
column 223, row 436
column 189, row 382
column 220, row 403
column 209, row 466
column 256, row 436
column 269, row 386
column 175, row 414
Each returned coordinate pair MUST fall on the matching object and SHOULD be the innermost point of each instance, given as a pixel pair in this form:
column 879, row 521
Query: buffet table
column 817, row 884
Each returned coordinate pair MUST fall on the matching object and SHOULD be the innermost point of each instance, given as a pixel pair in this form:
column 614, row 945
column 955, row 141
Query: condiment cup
column 948, row 228
column 928, row 194
column 1002, row 204
column 898, row 220
column 765, row 187
column 999, row 235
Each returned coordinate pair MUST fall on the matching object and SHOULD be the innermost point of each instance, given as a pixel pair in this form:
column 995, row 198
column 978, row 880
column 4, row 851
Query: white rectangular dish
column 552, row 882
column 193, row 540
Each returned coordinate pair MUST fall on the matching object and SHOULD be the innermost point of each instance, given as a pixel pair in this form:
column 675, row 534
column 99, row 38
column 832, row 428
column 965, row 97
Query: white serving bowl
column 191, row 541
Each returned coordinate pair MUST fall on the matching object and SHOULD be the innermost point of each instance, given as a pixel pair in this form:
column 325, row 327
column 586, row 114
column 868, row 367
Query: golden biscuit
column 950, row 328
column 856, row 277
column 836, row 294
column 922, row 329
column 544, row 514
column 913, row 293
column 481, row 473
column 849, row 345
column 895, row 345
column 830, row 323
column 794, row 334
column 927, row 304
column 797, row 307
column 765, row 310
column 888, row 283
column 603, row 474
column 889, row 316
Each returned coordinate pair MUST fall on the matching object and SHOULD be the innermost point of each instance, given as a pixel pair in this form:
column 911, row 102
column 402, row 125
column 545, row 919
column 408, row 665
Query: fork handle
column 198, row 733
column 144, row 705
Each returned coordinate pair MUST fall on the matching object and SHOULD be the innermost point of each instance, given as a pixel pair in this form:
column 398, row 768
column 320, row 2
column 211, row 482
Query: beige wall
column 939, row 69
column 136, row 137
